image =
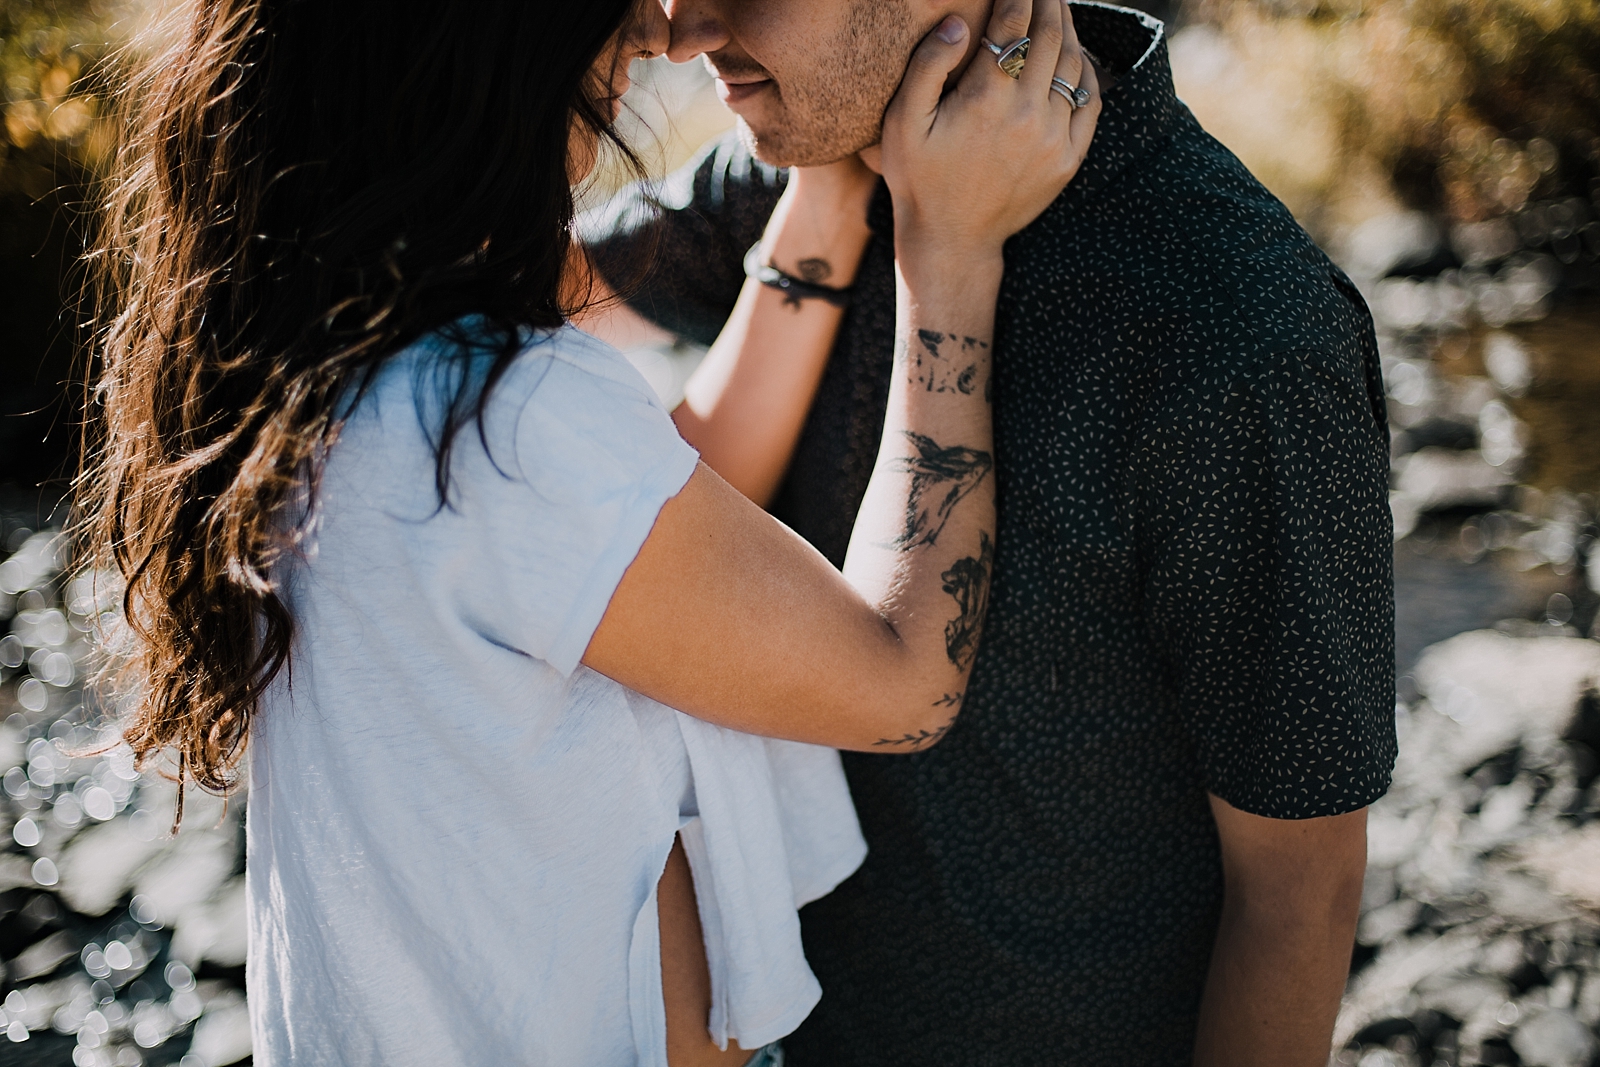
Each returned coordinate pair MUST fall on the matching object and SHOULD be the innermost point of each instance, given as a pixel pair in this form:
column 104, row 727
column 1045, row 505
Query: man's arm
column 679, row 256
column 746, row 404
column 1290, row 903
column 674, row 250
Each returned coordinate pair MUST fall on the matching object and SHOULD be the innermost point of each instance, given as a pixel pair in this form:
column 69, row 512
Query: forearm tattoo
column 918, row 740
column 945, row 363
column 967, row 581
column 940, row 477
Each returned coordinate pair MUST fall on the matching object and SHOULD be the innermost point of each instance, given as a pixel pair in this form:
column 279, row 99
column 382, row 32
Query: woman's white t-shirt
column 455, row 829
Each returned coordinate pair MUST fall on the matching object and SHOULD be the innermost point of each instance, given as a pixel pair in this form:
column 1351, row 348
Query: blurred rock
column 222, row 1036
column 1508, row 362
column 1388, row 922
column 34, row 1005
column 1569, row 864
column 15, row 871
column 99, row 866
column 1436, row 478
column 190, row 873
column 1462, row 997
column 214, row 930
column 1400, row 966
column 81, row 832
column 1382, row 244
column 1485, row 692
column 1480, row 243
column 1483, row 905
column 1520, row 900
column 44, row 956
column 1554, row 1039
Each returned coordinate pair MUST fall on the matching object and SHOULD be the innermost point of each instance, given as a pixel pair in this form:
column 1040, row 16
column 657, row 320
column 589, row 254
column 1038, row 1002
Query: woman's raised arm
column 728, row 615
column 746, row 403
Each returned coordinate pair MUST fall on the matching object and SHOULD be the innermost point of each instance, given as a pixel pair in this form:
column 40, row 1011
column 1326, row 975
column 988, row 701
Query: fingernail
column 952, row 30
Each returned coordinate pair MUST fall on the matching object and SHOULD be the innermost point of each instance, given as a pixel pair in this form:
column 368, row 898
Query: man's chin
column 759, row 146
column 778, row 147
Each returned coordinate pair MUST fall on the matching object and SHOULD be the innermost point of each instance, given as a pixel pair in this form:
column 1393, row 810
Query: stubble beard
column 834, row 108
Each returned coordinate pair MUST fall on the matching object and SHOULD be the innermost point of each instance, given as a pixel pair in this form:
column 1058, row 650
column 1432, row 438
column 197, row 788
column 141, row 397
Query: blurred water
column 124, row 946
column 120, row 945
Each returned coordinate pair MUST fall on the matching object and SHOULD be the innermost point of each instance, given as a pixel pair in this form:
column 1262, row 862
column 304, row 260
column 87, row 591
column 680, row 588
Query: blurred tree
column 1449, row 151
column 50, row 143
column 1472, row 108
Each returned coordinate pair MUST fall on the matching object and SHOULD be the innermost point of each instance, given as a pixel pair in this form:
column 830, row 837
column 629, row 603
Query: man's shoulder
column 675, row 245
column 1189, row 249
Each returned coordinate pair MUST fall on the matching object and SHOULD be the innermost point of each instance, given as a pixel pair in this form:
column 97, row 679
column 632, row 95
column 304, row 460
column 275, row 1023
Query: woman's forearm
column 745, row 405
column 729, row 616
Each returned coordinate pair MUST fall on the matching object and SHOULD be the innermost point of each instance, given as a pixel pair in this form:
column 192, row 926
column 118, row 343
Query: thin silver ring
column 1074, row 95
column 1011, row 58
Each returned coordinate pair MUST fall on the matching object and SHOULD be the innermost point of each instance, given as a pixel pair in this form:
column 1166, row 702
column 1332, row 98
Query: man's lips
column 732, row 92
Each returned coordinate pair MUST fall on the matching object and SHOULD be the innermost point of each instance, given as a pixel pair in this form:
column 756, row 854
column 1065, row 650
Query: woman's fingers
column 931, row 63
column 1071, row 64
column 1045, row 49
column 1008, row 23
column 1082, row 123
column 972, row 167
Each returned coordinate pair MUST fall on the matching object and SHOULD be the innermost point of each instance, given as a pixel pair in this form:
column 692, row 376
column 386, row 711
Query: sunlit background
column 1445, row 152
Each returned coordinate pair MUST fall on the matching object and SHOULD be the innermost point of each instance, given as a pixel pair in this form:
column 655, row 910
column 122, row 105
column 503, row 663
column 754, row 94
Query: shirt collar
column 1121, row 38
column 1139, row 104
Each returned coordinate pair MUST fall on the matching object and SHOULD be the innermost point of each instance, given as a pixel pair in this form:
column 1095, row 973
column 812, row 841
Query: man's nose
column 697, row 27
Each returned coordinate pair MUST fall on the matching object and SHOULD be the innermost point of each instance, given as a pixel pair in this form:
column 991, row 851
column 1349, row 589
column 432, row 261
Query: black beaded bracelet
column 794, row 289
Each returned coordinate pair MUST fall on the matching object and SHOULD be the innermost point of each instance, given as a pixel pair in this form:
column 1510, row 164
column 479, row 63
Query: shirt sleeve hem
column 1262, row 804
column 594, row 596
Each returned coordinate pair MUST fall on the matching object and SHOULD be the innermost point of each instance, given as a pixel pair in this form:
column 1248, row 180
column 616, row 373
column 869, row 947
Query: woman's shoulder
column 585, row 361
column 559, row 365
column 568, row 394
column 564, row 402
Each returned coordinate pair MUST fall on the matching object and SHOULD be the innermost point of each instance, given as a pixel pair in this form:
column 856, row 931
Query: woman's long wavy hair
column 304, row 187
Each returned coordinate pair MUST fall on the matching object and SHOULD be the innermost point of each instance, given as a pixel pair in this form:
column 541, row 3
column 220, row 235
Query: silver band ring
column 1075, row 96
column 1012, row 57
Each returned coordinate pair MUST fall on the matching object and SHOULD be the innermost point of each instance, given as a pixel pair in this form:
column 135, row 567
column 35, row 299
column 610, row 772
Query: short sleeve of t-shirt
column 1270, row 585
column 581, row 458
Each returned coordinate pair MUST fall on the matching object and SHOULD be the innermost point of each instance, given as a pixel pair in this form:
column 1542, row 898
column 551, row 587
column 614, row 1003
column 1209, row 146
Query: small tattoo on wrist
column 814, row 270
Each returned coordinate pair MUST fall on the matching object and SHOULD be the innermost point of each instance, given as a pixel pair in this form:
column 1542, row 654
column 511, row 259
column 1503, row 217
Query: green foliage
column 46, row 52
column 51, row 139
column 1473, row 107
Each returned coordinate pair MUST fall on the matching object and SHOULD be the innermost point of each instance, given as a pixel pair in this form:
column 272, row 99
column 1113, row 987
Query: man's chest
column 1070, row 389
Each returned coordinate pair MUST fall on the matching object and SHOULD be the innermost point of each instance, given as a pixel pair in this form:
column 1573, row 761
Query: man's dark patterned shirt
column 1192, row 591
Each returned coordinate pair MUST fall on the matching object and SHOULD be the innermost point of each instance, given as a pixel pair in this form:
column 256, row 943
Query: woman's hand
column 971, row 167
